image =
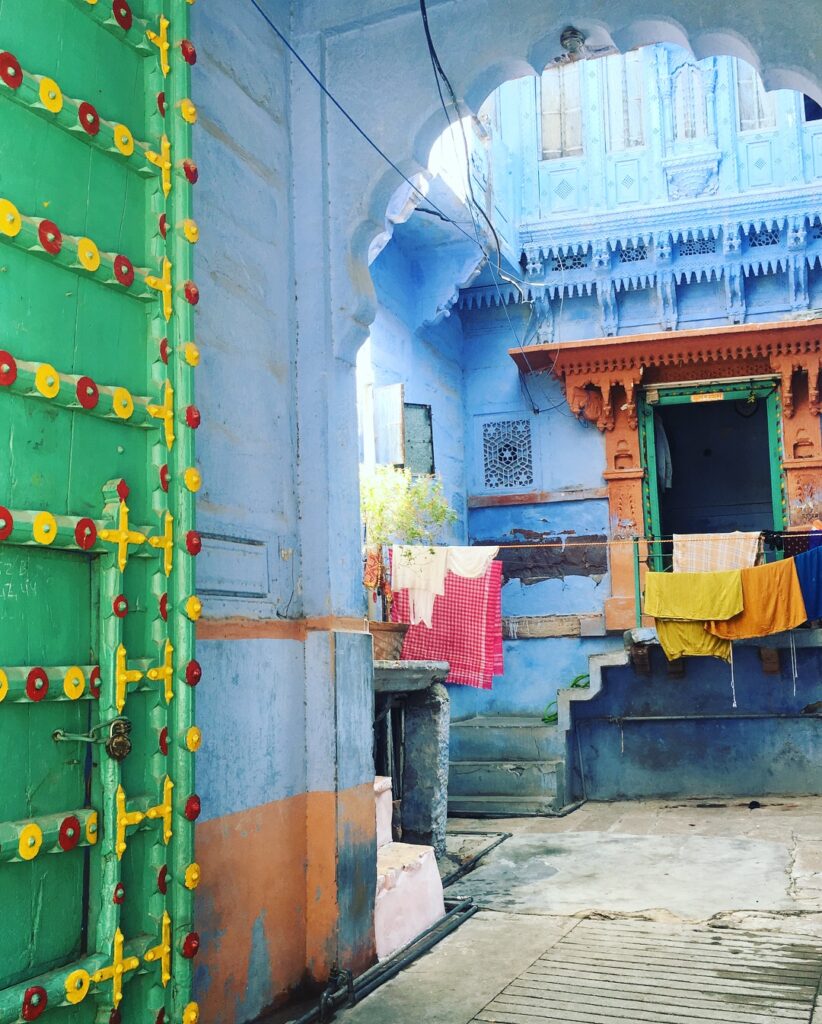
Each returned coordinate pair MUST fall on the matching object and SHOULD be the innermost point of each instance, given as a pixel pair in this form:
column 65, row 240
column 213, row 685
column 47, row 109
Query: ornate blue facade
column 704, row 208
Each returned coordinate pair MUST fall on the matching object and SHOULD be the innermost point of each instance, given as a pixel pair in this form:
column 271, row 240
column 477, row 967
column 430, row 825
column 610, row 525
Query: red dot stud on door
column 8, row 368
column 122, row 14
column 88, row 394
column 89, row 119
column 6, row 523
column 35, row 1000
column 69, row 834
column 50, row 237
column 124, row 271
column 37, row 684
column 10, row 71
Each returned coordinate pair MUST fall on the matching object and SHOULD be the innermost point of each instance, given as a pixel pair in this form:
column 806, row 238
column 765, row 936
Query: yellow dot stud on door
column 91, row 828
column 194, row 738
column 192, row 876
column 88, row 254
column 190, row 230
column 123, row 139
column 77, row 986
column 10, row 222
column 191, row 1014
column 188, row 111
column 44, row 528
column 194, row 608
column 30, row 841
column 193, row 479
column 47, row 380
column 191, row 353
column 122, row 403
column 74, row 683
column 4, row 685
column 50, row 95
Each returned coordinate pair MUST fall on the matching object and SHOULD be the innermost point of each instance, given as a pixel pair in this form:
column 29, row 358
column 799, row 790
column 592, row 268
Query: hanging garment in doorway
column 772, row 603
column 662, row 450
column 716, row 552
column 682, row 602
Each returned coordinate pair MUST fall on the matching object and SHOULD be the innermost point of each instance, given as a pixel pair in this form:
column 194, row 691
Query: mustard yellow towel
column 772, row 603
column 694, row 596
column 679, row 639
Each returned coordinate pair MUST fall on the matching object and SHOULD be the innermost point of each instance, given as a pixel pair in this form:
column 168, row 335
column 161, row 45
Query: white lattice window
column 764, row 236
column 570, row 261
column 633, row 253
column 690, row 112
column 561, row 111
column 757, row 110
column 622, row 81
column 697, row 246
column 507, row 455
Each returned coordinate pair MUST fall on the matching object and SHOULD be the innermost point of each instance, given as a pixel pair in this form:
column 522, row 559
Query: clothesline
column 614, row 541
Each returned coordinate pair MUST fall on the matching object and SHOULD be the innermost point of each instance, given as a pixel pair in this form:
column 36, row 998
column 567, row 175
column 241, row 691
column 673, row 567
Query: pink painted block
column 409, row 895
column 385, row 808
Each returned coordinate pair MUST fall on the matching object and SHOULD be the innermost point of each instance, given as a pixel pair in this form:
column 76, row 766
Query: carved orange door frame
column 601, row 378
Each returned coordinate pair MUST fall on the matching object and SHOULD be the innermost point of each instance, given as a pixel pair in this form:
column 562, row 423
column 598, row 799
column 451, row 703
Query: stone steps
column 500, row 806
column 505, row 737
column 505, row 765
column 503, row 778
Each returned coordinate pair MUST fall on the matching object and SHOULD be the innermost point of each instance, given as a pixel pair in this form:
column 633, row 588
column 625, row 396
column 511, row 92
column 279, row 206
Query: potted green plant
column 397, row 507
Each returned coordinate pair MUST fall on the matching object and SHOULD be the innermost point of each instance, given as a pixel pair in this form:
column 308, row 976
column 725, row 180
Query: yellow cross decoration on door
column 162, row 951
column 123, row 537
column 116, row 969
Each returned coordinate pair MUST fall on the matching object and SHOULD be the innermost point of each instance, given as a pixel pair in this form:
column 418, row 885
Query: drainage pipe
column 472, row 862
column 377, row 975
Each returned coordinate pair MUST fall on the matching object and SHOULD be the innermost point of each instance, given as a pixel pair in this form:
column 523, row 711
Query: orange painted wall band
column 275, row 629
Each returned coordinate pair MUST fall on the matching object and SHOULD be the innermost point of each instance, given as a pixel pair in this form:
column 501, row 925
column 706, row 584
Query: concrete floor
column 742, row 883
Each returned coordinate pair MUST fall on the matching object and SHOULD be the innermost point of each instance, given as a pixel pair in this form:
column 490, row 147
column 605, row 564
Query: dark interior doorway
column 720, row 468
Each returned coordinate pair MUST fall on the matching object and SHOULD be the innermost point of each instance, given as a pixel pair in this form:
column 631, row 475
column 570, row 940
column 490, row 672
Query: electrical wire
column 433, row 208
column 440, row 74
column 361, row 131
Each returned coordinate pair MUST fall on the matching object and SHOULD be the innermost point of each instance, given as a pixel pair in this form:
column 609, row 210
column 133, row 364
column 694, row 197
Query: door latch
column 116, row 739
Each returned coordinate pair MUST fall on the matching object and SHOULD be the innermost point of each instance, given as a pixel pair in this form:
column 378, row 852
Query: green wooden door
column 742, row 390
column 97, row 486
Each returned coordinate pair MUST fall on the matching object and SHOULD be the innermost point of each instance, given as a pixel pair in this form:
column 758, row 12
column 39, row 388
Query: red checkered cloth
column 466, row 628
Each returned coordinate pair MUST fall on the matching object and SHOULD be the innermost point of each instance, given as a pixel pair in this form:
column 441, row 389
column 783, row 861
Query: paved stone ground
column 662, row 911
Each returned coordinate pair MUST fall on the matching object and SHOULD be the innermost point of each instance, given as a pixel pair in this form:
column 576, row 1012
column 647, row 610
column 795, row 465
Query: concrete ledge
column 596, row 663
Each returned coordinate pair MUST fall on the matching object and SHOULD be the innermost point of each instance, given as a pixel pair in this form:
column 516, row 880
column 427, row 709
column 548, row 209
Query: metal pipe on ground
column 472, row 862
column 377, row 975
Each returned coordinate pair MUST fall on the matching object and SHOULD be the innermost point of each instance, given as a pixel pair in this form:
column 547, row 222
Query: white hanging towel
column 420, row 570
column 470, row 563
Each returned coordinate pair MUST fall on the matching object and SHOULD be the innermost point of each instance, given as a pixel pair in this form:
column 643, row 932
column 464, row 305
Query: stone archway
column 342, row 209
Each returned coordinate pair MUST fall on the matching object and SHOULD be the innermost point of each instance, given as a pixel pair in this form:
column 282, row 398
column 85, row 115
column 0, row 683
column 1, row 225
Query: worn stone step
column 501, row 737
column 503, row 778
column 500, row 806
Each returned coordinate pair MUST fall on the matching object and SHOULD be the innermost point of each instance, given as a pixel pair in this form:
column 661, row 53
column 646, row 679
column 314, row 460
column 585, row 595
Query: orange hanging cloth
column 772, row 603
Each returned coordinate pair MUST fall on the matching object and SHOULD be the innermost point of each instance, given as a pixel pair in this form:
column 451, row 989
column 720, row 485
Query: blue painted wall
column 247, row 509
column 426, row 357
column 708, row 748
